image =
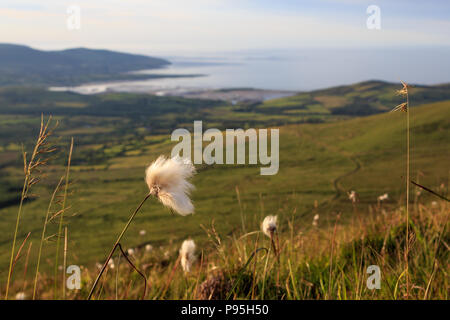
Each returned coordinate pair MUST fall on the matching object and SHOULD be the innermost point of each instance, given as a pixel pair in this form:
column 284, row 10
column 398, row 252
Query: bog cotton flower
column 21, row 296
column 269, row 225
column 315, row 220
column 167, row 179
column 352, row 196
column 187, row 253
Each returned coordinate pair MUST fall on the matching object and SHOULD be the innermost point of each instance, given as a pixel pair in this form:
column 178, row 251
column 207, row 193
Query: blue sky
column 192, row 26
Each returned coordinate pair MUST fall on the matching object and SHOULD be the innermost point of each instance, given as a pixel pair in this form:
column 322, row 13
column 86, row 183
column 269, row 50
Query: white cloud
column 201, row 25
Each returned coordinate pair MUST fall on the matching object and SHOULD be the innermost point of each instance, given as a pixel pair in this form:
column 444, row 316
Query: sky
column 177, row 27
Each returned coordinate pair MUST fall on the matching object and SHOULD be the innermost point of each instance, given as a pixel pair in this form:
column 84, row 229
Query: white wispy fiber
column 167, row 179
column 383, row 197
column 315, row 220
column 187, row 253
column 269, row 225
column 21, row 296
column 352, row 196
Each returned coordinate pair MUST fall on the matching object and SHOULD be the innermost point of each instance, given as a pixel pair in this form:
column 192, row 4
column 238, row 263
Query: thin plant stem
column 169, row 280
column 136, row 269
column 61, row 218
column 43, row 235
column 19, row 251
column 407, row 193
column 117, row 277
column 64, row 264
column 254, row 269
column 331, row 255
column 238, row 194
column 26, row 267
column 15, row 236
column 195, row 294
column 116, row 244
column 264, row 272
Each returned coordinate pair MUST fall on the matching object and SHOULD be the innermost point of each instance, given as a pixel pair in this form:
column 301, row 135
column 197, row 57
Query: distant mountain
column 24, row 65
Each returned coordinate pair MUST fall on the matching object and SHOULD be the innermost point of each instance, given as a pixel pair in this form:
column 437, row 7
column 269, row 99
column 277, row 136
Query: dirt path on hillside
column 336, row 182
column 337, row 187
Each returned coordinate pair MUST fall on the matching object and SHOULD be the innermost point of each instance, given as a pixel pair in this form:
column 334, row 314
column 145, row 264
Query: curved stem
column 115, row 245
column 134, row 267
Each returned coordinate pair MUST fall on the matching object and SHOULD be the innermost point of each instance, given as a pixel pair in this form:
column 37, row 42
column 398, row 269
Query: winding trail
column 336, row 182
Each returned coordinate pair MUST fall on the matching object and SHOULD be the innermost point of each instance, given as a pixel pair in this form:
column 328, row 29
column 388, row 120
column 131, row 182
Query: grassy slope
column 314, row 162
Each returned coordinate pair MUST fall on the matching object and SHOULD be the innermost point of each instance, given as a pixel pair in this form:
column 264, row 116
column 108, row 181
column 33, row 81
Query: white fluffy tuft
column 187, row 253
column 269, row 225
column 383, row 197
column 167, row 179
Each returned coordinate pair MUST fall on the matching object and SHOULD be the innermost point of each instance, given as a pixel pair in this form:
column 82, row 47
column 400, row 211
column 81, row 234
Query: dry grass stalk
column 404, row 92
column 43, row 235
column 33, row 174
column 61, row 220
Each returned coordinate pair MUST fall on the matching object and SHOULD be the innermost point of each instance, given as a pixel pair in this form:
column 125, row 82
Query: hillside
column 20, row 65
column 112, row 125
column 360, row 99
column 318, row 164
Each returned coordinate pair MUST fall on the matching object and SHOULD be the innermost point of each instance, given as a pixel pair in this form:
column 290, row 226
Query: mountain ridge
column 23, row 65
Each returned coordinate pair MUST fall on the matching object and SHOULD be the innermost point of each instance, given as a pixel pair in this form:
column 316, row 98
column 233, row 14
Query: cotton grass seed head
column 383, row 197
column 21, row 296
column 167, row 180
column 315, row 220
column 352, row 196
column 269, row 225
column 187, row 253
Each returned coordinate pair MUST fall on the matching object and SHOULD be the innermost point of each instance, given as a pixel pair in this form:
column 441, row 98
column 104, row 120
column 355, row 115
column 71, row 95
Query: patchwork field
column 319, row 163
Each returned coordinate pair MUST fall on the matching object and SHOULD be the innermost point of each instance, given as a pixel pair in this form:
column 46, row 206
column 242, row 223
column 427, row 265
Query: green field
column 117, row 135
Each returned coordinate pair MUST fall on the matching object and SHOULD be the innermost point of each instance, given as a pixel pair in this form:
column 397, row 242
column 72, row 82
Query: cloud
column 208, row 25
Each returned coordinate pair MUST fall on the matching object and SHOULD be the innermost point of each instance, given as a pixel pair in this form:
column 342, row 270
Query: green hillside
column 318, row 164
column 360, row 99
